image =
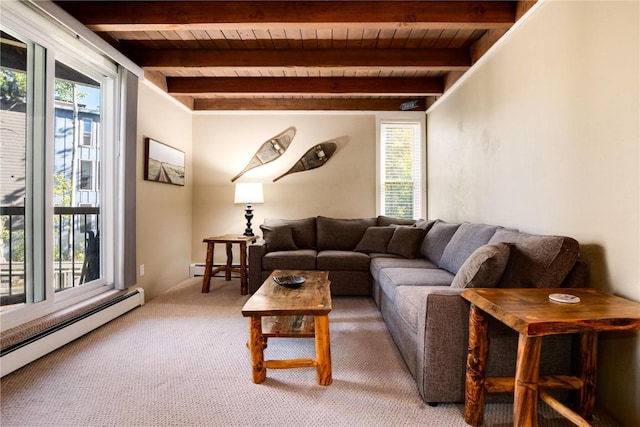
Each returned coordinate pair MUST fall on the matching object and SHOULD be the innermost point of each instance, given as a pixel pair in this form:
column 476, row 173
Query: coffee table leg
column 256, row 345
column 476, row 364
column 587, row 365
column 525, row 397
column 323, row 349
column 207, row 268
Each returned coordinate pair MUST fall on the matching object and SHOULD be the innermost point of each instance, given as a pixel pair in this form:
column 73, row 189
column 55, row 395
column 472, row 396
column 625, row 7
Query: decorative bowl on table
column 289, row 281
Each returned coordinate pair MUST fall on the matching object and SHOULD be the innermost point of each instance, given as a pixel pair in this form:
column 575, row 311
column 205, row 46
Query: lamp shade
column 248, row 192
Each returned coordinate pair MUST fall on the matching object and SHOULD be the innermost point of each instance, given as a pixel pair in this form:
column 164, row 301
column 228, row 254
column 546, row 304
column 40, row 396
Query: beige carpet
column 181, row 360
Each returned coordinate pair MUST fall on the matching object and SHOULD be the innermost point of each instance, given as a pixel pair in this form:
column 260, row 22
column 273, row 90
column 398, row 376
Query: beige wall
column 544, row 136
column 163, row 211
column 225, row 143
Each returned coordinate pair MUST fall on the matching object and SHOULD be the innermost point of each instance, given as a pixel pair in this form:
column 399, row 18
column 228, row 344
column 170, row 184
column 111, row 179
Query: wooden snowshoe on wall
column 315, row 157
column 270, row 150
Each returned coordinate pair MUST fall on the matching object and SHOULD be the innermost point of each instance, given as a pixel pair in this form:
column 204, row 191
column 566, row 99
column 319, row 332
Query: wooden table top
column 271, row 299
column 230, row 238
column 530, row 312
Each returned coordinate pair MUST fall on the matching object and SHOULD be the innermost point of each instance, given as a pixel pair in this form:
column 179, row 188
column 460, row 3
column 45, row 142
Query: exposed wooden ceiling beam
column 385, row 86
column 207, row 15
column 337, row 104
column 435, row 59
column 182, row 45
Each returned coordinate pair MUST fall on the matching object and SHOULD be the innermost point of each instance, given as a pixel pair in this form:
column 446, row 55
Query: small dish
column 564, row 298
column 289, row 281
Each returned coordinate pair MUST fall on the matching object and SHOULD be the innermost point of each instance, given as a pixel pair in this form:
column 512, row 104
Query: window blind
column 401, row 170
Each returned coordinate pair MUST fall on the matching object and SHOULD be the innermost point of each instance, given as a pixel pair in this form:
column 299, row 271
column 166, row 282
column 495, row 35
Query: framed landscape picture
column 163, row 163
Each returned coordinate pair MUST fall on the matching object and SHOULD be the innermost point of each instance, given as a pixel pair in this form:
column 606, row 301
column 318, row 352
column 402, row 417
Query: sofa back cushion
column 536, row 261
column 341, row 234
column 406, row 241
column 383, row 221
column 375, row 240
column 425, row 224
column 302, row 230
column 436, row 240
column 467, row 238
column 278, row 238
column 484, row 268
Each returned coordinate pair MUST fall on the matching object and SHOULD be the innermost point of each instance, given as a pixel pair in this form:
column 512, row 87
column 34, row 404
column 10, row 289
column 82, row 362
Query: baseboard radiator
column 53, row 336
column 197, row 269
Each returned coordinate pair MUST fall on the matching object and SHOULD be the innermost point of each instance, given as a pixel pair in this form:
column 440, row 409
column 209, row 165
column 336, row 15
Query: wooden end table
column 277, row 311
column 228, row 240
column 533, row 315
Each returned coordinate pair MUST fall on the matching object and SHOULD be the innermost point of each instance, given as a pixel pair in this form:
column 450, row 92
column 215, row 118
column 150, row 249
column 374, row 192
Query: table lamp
column 248, row 192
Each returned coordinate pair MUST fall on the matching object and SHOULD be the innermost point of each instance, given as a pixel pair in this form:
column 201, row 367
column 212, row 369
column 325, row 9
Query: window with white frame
column 85, row 179
column 401, row 169
column 87, row 132
column 59, row 103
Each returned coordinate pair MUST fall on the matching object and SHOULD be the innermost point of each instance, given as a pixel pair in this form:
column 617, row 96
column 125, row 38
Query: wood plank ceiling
column 301, row 55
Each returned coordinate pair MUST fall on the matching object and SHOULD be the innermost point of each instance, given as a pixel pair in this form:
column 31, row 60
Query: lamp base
column 248, row 215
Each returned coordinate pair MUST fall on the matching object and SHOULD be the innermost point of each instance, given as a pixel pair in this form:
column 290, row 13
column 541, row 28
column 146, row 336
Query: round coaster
column 564, row 298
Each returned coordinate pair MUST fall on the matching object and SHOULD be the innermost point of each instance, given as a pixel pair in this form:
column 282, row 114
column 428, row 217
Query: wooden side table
column 228, row 240
column 533, row 315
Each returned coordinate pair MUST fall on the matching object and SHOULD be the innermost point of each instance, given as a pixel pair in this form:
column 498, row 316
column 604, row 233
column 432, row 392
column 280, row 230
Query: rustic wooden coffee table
column 278, row 311
column 531, row 313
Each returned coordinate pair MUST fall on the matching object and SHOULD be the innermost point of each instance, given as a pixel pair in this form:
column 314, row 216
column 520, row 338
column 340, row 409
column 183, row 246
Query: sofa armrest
column 443, row 341
column 443, row 333
column 257, row 250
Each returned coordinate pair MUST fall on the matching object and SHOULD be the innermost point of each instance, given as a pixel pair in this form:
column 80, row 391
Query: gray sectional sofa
column 415, row 271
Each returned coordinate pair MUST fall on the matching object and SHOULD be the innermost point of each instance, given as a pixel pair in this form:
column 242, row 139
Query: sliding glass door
column 22, row 109
column 76, row 178
column 59, row 171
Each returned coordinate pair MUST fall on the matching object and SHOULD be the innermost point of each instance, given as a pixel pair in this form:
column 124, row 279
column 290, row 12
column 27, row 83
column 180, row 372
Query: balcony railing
column 76, row 250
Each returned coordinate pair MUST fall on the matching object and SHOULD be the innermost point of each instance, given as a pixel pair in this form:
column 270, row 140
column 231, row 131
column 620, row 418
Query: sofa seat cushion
column 301, row 259
column 391, row 278
column 342, row 260
column 536, row 261
column 410, row 302
column 378, row 263
column 467, row 238
column 341, row 234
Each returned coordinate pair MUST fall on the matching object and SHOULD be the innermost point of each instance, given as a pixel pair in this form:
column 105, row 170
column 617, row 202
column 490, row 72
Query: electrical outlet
column 141, row 270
